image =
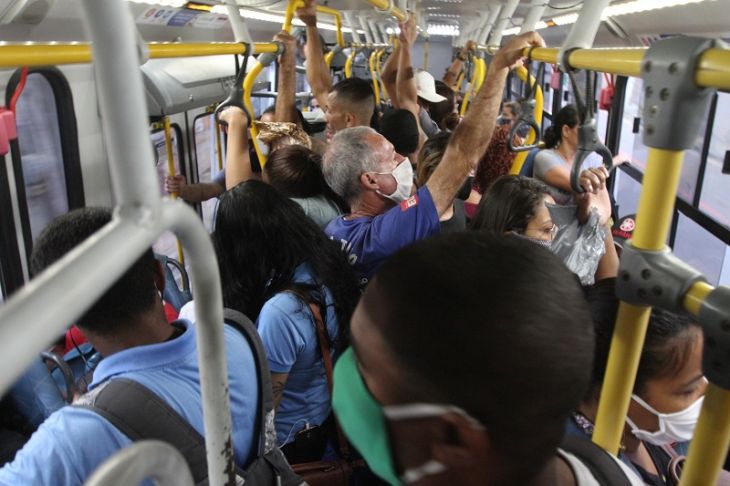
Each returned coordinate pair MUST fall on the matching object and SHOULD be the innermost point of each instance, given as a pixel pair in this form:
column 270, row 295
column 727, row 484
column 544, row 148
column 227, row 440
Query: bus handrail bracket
column 714, row 317
column 654, row 278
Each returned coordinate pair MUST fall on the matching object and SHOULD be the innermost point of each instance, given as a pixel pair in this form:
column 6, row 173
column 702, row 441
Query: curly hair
column 496, row 161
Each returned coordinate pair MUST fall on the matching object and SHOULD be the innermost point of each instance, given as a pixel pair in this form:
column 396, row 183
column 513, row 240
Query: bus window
column 713, row 199
column 167, row 243
column 701, row 249
column 41, row 153
column 206, row 157
column 547, row 90
column 626, row 191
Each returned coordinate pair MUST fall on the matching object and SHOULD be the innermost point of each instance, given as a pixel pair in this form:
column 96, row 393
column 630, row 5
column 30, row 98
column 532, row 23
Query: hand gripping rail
column 58, row 296
column 263, row 61
column 386, row 6
column 293, row 5
column 529, row 113
column 588, row 141
column 147, row 459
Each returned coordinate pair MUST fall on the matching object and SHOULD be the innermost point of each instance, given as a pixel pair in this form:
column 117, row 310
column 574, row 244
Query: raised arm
column 468, row 141
column 238, row 162
column 389, row 75
column 286, row 101
column 452, row 73
column 406, row 91
column 318, row 74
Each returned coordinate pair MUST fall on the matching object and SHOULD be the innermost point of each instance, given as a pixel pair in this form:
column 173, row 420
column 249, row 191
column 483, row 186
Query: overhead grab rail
column 350, row 61
column 529, row 114
column 41, row 54
column 147, row 459
column 47, row 304
column 291, row 8
column 386, row 6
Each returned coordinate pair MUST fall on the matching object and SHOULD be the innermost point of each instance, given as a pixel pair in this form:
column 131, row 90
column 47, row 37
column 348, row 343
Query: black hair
column 439, row 111
column 261, row 237
column 568, row 115
column 494, row 325
column 400, row 127
column 509, row 204
column 133, row 294
column 270, row 109
column 296, row 171
column 358, row 92
column 668, row 343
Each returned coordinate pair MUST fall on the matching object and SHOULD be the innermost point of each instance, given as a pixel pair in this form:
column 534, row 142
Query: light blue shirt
column 287, row 329
column 73, row 442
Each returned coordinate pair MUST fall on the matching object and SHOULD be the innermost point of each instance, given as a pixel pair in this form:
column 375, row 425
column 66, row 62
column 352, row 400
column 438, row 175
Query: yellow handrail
column 248, row 83
column 295, row 4
column 171, row 173
column 348, row 63
column 387, row 7
column 713, row 69
column 374, row 76
column 14, row 55
column 539, row 107
column 383, row 92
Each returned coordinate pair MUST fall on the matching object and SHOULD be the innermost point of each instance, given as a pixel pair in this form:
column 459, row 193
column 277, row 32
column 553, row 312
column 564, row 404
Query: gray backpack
column 140, row 414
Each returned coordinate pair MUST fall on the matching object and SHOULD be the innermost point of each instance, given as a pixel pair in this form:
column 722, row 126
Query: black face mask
column 465, row 189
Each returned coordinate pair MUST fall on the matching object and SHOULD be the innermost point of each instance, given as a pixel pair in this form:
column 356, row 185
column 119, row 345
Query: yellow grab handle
column 521, row 72
column 374, row 76
column 248, row 83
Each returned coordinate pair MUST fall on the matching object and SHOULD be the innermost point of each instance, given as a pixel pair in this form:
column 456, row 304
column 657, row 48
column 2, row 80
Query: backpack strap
column 603, row 467
column 140, row 414
column 265, row 430
column 324, row 348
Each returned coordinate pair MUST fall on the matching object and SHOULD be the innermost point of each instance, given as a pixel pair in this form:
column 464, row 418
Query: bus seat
column 174, row 294
column 527, row 166
column 36, row 395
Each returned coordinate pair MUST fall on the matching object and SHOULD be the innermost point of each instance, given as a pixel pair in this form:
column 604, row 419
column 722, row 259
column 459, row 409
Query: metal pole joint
column 672, row 99
column 714, row 318
column 654, row 278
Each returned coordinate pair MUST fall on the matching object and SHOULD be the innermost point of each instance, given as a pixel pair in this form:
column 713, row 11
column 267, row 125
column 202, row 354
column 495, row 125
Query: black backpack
column 140, row 414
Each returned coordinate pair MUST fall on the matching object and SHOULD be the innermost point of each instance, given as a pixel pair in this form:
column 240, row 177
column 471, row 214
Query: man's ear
column 350, row 120
column 369, row 181
column 159, row 276
column 466, row 443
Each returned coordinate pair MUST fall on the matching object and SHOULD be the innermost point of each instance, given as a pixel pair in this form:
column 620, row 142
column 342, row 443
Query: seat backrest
column 176, row 295
column 528, row 165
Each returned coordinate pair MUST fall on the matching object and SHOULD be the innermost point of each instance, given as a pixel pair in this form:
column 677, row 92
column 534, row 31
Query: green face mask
column 363, row 420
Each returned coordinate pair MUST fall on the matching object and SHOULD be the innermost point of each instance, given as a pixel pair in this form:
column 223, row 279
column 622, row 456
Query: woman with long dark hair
column 274, row 264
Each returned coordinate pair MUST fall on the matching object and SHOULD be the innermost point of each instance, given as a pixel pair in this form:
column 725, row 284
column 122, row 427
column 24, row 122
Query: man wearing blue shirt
column 127, row 326
column 362, row 167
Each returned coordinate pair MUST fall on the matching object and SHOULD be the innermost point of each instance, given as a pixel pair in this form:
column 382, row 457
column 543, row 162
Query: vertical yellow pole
column 374, row 76
column 654, row 217
column 383, row 92
column 709, row 447
column 171, row 172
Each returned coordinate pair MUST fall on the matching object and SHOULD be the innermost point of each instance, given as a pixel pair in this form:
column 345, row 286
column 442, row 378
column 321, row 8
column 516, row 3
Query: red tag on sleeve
column 409, row 203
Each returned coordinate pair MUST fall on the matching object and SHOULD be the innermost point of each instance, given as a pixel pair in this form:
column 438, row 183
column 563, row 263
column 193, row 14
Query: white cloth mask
column 673, row 427
column 403, row 175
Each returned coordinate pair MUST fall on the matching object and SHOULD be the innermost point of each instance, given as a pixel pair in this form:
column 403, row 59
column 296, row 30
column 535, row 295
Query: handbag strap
column 324, row 348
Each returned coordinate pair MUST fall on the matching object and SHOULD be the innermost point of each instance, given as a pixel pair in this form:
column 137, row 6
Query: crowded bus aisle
column 415, row 292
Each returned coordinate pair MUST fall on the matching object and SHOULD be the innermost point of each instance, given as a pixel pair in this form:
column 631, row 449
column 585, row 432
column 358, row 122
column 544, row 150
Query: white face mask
column 419, row 411
column 403, row 175
column 673, row 427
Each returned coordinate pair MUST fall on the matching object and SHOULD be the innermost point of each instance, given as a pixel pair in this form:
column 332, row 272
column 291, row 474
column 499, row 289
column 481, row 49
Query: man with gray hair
column 363, row 168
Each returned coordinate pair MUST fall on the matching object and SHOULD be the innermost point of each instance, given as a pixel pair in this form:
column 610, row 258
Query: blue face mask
column 363, row 420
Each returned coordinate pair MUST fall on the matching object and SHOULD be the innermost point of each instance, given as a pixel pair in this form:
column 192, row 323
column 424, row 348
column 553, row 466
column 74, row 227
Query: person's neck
column 367, row 208
column 149, row 328
column 567, row 151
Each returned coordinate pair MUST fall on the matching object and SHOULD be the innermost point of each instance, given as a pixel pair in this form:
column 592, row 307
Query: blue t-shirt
column 287, row 329
column 369, row 241
column 73, row 442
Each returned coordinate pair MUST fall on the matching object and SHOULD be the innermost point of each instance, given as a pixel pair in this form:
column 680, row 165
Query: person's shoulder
column 585, row 477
